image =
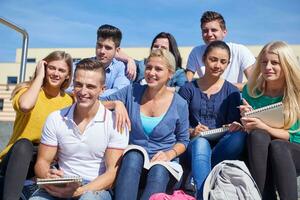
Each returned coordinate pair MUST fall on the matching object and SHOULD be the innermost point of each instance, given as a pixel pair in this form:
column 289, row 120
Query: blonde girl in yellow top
column 33, row 101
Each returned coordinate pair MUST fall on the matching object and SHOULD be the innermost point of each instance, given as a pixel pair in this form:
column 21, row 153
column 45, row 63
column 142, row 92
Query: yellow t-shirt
column 29, row 125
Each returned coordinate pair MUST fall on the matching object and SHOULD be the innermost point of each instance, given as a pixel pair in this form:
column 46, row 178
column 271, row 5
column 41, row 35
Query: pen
column 53, row 166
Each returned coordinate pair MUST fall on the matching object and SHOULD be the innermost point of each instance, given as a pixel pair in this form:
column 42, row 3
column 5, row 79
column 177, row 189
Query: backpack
column 177, row 195
column 230, row 180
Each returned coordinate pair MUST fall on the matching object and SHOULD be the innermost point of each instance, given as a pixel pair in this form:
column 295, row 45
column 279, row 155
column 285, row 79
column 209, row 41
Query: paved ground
column 5, row 132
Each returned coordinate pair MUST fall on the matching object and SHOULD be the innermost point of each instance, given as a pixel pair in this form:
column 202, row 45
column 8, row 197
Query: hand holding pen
column 199, row 128
column 53, row 172
column 245, row 107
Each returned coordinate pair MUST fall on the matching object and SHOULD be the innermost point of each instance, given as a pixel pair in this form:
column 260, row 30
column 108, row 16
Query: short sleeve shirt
column 82, row 153
column 241, row 58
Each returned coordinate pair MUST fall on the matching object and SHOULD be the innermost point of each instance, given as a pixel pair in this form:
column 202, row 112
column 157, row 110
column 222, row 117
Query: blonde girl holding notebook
column 33, row 101
column 274, row 152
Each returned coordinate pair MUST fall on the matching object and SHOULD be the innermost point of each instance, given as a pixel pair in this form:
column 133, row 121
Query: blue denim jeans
column 42, row 194
column 132, row 177
column 204, row 155
column 28, row 190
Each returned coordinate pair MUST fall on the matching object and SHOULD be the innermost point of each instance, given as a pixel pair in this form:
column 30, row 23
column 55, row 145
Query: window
column 76, row 60
column 31, row 60
column 12, row 80
column 1, row 104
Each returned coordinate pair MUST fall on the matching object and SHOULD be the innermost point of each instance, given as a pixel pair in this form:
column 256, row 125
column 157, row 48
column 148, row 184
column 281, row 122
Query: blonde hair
column 166, row 56
column 55, row 55
column 291, row 71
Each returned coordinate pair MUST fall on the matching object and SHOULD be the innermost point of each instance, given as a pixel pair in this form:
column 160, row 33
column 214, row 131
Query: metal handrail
column 24, row 46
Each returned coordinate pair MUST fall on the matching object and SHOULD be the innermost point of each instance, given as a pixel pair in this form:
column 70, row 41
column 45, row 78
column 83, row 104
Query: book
column 212, row 134
column 173, row 167
column 59, row 181
column 271, row 115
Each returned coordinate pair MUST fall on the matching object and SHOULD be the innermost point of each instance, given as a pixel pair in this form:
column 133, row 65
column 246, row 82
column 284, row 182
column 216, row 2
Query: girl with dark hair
column 165, row 41
column 170, row 45
column 213, row 102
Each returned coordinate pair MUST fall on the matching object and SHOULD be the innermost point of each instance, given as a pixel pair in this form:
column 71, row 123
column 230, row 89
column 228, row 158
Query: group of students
column 157, row 108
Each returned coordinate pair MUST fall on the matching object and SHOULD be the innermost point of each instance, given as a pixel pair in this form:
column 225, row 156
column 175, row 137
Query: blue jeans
column 132, row 175
column 28, row 190
column 205, row 155
column 42, row 194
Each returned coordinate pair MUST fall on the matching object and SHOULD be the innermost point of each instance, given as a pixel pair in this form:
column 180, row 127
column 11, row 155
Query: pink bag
column 177, row 195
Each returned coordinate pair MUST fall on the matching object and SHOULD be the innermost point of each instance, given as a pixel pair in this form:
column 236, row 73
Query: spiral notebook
column 56, row 181
column 272, row 115
column 213, row 134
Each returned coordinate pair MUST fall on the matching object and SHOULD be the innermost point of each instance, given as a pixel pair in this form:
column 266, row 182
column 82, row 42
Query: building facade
column 10, row 71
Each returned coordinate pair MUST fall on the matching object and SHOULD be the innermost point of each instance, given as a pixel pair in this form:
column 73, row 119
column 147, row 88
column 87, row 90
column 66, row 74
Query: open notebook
column 173, row 167
column 272, row 115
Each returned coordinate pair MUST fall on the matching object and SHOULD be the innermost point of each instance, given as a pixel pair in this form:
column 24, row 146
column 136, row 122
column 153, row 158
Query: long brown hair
column 55, row 55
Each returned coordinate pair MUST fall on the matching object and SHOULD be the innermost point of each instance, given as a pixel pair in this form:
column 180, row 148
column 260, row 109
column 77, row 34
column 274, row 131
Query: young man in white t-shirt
column 213, row 28
column 83, row 139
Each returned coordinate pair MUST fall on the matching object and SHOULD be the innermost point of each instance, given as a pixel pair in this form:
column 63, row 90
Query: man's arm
column 194, row 61
column 131, row 66
column 247, row 63
column 105, row 181
column 190, row 75
column 239, row 85
column 248, row 72
column 46, row 155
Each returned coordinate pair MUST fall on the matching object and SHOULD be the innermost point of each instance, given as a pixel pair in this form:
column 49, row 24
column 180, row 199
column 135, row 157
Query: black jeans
column 273, row 164
column 285, row 159
column 16, row 166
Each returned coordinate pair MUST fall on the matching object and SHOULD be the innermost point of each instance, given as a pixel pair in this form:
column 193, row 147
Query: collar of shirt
column 109, row 68
column 99, row 117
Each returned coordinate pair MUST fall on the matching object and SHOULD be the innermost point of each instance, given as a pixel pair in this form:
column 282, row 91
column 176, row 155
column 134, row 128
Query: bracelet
column 176, row 154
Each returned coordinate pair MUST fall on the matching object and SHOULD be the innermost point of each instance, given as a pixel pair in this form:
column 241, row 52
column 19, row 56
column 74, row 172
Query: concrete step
column 5, row 96
column 8, row 109
column 7, row 104
column 5, row 92
column 7, row 118
column 4, row 113
column 5, row 87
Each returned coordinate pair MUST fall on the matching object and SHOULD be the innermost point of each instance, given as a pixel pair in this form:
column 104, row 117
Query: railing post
column 24, row 46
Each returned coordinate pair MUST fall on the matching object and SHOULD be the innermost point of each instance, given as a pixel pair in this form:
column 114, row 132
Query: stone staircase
column 8, row 113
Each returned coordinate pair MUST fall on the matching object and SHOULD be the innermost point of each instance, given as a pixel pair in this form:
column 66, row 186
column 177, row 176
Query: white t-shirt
column 82, row 154
column 241, row 59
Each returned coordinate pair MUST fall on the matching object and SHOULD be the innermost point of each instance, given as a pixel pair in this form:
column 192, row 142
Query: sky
column 73, row 23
